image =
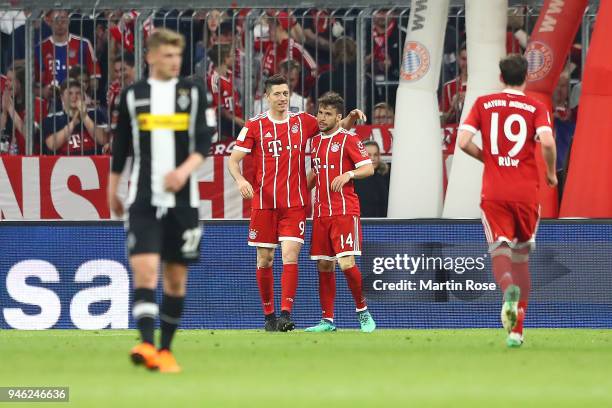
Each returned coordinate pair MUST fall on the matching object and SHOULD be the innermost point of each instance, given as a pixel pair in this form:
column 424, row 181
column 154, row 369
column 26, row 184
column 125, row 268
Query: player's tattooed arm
column 352, row 118
column 468, row 146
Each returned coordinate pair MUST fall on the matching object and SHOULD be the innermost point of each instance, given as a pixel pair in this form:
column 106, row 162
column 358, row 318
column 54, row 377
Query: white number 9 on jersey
column 518, row 138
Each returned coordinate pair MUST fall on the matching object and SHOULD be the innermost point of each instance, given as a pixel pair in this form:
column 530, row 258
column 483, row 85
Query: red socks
column 265, row 281
column 502, row 269
column 289, row 281
column 327, row 293
column 522, row 310
column 353, row 278
column 522, row 278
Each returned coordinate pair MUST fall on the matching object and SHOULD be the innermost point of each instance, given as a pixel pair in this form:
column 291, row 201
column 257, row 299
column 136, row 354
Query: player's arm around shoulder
column 349, row 121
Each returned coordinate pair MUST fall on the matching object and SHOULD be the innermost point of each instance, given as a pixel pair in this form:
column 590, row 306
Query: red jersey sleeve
column 246, row 137
column 541, row 120
column 472, row 121
column 357, row 152
column 309, row 124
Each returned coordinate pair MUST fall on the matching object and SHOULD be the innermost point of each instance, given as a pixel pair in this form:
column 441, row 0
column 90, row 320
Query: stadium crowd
column 81, row 64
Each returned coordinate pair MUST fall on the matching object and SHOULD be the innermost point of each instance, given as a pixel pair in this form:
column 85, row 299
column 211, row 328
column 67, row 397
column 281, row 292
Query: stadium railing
column 120, row 32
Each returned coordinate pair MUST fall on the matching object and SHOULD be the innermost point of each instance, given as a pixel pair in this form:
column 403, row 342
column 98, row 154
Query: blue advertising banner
column 417, row 274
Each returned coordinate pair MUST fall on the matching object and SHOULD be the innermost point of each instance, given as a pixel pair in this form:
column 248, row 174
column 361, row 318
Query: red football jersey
column 333, row 155
column 223, row 92
column 509, row 122
column 55, row 59
column 279, row 151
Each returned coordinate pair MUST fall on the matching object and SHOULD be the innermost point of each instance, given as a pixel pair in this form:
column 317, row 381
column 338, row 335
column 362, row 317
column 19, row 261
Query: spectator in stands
column 13, row 110
column 79, row 74
column 62, row 50
column 318, row 32
column 16, row 49
column 226, row 35
column 453, row 91
column 124, row 75
column 516, row 37
column 342, row 78
column 297, row 103
column 122, row 32
column 225, row 97
column 383, row 114
column 373, row 191
column 282, row 48
column 386, row 45
column 214, row 18
column 12, row 119
column 73, row 131
column 384, row 61
column 564, row 125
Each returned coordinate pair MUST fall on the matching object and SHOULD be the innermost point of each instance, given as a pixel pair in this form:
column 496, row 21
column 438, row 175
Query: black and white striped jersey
column 163, row 122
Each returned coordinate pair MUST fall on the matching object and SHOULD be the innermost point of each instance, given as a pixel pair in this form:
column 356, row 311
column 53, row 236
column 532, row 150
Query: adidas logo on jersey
column 267, row 135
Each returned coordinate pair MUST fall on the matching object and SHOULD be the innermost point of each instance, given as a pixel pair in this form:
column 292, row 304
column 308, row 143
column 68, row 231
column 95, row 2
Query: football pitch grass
column 251, row 368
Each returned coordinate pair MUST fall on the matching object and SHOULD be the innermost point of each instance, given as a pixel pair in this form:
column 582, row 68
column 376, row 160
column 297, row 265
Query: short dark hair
column 371, row 142
column 333, row 100
column 127, row 59
column 76, row 71
column 218, row 53
column 70, row 83
column 513, row 69
column 276, row 79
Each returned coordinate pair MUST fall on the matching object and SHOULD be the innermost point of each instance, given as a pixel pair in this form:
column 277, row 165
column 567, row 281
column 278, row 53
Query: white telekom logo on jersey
column 274, row 147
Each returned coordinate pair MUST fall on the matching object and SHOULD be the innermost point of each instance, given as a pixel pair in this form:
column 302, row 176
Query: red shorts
column 271, row 226
column 513, row 222
column 335, row 237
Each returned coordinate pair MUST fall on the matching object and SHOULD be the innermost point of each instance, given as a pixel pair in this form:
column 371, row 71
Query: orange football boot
column 145, row 354
column 167, row 363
